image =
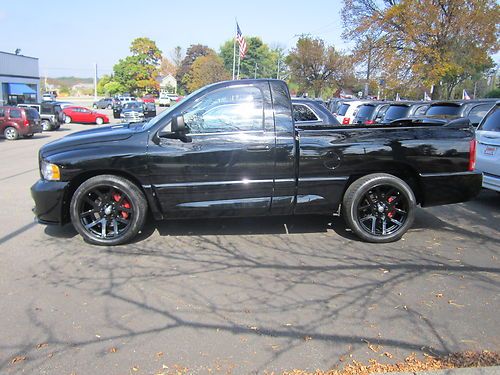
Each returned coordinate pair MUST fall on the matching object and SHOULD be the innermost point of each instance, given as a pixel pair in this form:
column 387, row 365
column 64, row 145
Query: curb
column 493, row 370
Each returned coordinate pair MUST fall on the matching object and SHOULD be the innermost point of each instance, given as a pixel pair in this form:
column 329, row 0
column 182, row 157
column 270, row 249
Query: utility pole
column 368, row 67
column 95, row 82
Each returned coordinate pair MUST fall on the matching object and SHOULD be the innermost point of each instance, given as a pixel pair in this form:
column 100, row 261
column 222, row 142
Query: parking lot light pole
column 95, row 82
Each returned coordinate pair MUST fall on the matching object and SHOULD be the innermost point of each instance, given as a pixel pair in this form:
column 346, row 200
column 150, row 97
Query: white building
column 168, row 84
column 19, row 79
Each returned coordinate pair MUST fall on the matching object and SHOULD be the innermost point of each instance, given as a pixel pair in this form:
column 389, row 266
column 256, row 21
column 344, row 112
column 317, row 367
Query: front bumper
column 49, row 201
column 447, row 188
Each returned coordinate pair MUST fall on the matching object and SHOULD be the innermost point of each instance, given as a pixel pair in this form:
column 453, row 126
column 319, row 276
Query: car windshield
column 343, row 109
column 134, row 105
column 396, row 111
column 492, row 122
column 448, row 110
column 365, row 111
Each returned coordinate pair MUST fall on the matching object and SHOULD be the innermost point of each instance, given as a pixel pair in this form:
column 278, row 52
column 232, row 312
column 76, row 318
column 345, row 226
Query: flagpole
column 239, row 60
column 234, row 52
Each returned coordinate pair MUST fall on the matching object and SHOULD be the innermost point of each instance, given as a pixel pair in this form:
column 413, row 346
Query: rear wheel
column 11, row 133
column 379, row 208
column 99, row 121
column 108, row 210
column 46, row 125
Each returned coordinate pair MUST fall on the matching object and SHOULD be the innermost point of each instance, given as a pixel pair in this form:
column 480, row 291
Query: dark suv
column 51, row 114
column 16, row 122
column 104, row 103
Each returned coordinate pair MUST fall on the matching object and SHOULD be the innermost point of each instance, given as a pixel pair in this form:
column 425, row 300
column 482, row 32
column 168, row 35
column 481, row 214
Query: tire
column 94, row 106
column 46, row 125
column 379, row 208
column 99, row 121
column 95, row 212
column 11, row 133
column 109, row 106
column 67, row 120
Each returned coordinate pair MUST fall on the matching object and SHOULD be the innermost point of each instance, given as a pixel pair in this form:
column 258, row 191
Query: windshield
column 449, row 110
column 492, row 122
column 133, row 105
column 396, row 111
column 365, row 112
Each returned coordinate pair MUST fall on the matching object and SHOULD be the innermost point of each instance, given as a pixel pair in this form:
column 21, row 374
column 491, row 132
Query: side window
column 420, row 111
column 478, row 112
column 15, row 113
column 2, row 112
column 227, row 110
column 492, row 122
column 303, row 113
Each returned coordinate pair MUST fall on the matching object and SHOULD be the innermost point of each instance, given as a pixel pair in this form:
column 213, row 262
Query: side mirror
column 178, row 125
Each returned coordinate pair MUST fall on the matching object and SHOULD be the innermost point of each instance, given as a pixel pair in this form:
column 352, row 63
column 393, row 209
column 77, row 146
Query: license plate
column 490, row 151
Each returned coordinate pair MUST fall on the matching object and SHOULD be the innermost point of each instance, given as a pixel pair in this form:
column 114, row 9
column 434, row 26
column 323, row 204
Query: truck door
column 225, row 166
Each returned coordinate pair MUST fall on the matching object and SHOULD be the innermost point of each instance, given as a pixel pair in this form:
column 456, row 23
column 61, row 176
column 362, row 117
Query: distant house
column 168, row 84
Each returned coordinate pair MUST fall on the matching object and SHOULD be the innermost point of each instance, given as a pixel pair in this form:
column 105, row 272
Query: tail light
column 472, row 155
column 26, row 122
column 346, row 121
column 369, row 122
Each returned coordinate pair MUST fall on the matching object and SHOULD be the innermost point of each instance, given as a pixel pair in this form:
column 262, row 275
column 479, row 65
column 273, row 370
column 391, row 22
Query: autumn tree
column 137, row 73
column 167, row 67
column 193, row 52
column 205, row 70
column 424, row 41
column 176, row 57
column 315, row 66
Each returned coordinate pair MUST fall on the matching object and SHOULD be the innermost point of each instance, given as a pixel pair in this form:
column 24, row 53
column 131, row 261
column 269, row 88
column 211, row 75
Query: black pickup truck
column 233, row 149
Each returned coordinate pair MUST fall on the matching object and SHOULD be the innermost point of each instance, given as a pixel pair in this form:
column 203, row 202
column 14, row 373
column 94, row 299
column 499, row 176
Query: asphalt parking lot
column 238, row 296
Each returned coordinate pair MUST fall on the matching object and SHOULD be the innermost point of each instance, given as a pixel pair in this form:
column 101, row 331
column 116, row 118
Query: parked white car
column 166, row 100
column 488, row 148
column 347, row 111
column 48, row 97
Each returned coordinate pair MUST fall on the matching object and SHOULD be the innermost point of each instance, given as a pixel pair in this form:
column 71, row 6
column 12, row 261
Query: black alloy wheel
column 379, row 207
column 108, row 210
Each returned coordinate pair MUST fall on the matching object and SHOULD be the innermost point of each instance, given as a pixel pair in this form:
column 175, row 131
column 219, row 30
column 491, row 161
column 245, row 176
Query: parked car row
column 367, row 112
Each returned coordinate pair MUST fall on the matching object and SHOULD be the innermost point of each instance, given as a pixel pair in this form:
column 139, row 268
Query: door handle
column 257, row 148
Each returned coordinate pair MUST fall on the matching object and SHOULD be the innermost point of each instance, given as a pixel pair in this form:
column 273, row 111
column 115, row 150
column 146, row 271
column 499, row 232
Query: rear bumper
column 492, row 182
column 49, row 201
column 32, row 129
column 447, row 188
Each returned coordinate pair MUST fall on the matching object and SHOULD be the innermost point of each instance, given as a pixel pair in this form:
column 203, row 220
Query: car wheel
column 46, row 125
column 94, row 106
column 99, row 121
column 109, row 106
column 11, row 133
column 67, row 119
column 379, row 208
column 108, row 210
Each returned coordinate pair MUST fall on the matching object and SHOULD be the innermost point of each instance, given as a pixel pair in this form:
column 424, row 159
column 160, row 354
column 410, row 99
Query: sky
column 69, row 37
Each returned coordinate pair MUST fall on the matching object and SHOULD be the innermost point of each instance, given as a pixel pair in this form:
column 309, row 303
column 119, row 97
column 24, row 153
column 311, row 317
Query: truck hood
column 91, row 136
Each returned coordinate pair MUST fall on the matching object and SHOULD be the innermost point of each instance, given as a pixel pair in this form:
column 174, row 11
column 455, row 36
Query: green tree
column 424, row 42
column 113, row 88
column 102, row 82
column 260, row 61
column 193, row 52
column 205, row 70
column 137, row 73
column 315, row 66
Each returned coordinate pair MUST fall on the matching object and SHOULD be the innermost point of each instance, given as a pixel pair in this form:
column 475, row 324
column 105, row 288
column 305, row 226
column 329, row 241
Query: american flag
column 241, row 41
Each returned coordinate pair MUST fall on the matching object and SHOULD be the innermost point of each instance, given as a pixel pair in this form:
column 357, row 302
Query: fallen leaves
column 17, row 359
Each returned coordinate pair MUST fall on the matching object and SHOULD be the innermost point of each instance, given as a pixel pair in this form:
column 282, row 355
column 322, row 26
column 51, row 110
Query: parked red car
column 148, row 98
column 16, row 122
column 84, row 115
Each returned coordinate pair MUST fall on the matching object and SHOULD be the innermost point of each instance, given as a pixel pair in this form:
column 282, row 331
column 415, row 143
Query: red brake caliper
column 390, row 214
column 125, row 204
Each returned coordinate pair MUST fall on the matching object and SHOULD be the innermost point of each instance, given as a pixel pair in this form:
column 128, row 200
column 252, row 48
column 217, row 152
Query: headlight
column 50, row 171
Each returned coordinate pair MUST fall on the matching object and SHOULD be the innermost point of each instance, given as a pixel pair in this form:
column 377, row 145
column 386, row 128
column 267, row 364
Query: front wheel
column 108, row 210
column 67, row 119
column 46, row 125
column 379, row 208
